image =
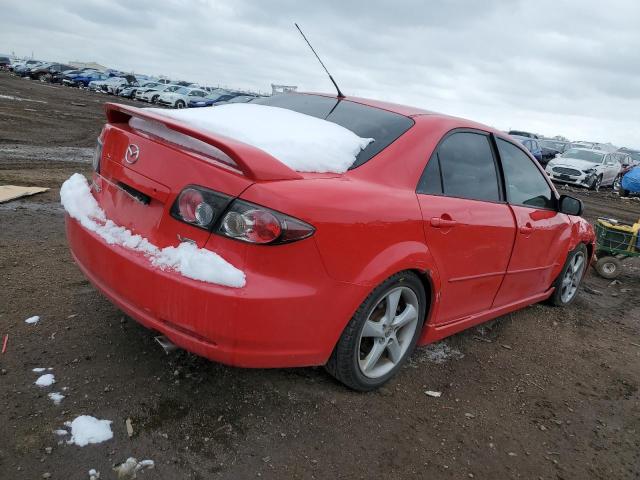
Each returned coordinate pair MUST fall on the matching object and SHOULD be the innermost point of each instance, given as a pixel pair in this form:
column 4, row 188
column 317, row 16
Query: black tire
column 556, row 298
column 154, row 99
column 180, row 104
column 595, row 184
column 608, row 267
column 344, row 361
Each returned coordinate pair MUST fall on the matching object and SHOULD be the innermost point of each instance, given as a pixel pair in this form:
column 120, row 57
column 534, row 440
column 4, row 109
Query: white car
column 103, row 85
column 585, row 167
column 180, row 98
column 152, row 95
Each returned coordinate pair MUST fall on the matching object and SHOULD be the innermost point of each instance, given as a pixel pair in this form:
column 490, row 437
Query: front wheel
column 567, row 283
column 180, row 104
column 381, row 335
column 154, row 99
column 595, row 183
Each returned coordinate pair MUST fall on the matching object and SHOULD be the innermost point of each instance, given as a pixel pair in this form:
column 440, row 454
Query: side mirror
column 570, row 205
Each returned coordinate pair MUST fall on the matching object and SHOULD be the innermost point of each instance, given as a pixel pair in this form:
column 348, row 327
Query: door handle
column 442, row 223
column 526, row 229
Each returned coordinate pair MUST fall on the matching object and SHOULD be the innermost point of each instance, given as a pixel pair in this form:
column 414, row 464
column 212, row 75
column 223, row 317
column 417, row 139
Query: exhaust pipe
column 167, row 345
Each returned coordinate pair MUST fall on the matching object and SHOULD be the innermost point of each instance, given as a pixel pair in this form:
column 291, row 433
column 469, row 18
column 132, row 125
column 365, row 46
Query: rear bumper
column 271, row 322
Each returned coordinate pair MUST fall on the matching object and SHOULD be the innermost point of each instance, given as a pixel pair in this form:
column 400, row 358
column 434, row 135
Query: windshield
column 365, row 121
column 183, row 90
column 559, row 146
column 589, row 156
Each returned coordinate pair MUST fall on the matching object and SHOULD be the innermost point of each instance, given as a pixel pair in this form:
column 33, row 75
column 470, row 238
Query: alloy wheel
column 572, row 277
column 388, row 331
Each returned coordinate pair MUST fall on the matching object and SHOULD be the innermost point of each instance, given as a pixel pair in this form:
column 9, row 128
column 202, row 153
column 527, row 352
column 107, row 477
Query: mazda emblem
column 132, row 154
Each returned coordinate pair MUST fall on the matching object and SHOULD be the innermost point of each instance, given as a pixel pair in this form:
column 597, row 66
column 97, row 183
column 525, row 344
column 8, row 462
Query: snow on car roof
column 302, row 142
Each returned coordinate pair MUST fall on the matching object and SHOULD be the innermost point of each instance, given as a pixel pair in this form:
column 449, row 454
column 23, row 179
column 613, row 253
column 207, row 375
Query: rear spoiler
column 252, row 161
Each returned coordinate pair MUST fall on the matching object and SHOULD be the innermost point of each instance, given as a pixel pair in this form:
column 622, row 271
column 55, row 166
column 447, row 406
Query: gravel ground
column 542, row 393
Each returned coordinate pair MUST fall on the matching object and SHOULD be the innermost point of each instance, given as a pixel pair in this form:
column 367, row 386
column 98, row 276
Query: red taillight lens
column 199, row 206
column 254, row 224
column 189, row 200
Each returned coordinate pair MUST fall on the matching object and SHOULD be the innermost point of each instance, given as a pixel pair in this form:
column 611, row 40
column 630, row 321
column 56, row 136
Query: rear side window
column 468, row 168
column 366, row 122
column 525, row 184
column 431, row 180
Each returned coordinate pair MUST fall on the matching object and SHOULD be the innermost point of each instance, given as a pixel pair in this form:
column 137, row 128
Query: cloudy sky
column 553, row 67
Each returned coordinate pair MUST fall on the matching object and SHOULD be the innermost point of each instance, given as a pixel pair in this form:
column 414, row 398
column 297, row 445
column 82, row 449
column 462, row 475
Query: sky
column 552, row 67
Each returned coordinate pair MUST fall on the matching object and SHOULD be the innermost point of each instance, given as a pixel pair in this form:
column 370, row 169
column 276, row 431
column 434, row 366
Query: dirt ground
column 542, row 393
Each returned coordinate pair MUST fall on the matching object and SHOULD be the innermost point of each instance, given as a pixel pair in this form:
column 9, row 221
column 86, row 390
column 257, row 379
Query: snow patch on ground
column 302, row 142
column 20, row 99
column 438, row 353
column 32, row 320
column 186, row 258
column 56, row 397
column 38, row 369
column 86, row 429
column 131, row 466
column 45, row 380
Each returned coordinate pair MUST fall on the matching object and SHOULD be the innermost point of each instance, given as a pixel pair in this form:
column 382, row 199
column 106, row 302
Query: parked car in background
column 5, row 62
column 584, row 167
column 131, row 90
column 181, row 97
column 212, row 99
column 242, row 99
column 151, row 86
column 19, row 68
column 46, row 71
column 530, row 144
column 628, row 159
column 153, row 94
column 110, row 84
column 421, row 252
column 84, row 79
column 552, row 148
column 520, row 133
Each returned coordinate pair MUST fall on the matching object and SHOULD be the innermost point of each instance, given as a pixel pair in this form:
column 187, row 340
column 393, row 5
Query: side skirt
column 433, row 333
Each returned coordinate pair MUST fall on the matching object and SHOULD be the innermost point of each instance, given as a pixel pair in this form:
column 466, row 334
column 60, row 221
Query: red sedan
column 438, row 225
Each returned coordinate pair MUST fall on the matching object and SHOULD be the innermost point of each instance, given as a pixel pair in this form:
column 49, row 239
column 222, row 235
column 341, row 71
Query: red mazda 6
column 440, row 224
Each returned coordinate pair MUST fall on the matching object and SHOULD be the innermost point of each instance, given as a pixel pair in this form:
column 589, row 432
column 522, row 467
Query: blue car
column 83, row 79
column 532, row 145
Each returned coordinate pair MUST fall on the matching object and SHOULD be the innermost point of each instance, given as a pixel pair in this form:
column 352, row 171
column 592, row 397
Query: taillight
column 199, row 206
column 255, row 224
column 237, row 219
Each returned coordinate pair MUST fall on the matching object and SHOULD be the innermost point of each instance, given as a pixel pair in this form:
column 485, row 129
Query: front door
column 542, row 234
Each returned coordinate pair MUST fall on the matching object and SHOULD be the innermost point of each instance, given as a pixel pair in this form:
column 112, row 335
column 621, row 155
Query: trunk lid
column 147, row 162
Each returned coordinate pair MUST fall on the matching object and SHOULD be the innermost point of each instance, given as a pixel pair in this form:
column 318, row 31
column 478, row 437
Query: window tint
column 366, row 122
column 431, row 182
column 525, row 183
column 467, row 167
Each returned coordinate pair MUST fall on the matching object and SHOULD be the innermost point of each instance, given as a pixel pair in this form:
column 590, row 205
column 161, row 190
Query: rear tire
column 568, row 282
column 381, row 334
column 609, row 267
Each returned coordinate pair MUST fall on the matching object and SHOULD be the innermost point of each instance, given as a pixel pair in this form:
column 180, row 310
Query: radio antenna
column 340, row 94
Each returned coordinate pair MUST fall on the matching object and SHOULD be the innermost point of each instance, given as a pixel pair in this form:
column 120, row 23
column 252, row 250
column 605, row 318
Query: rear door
column 542, row 234
column 469, row 228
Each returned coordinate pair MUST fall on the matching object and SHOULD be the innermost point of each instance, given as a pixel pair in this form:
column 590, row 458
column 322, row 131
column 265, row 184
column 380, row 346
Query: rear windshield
column 366, row 122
